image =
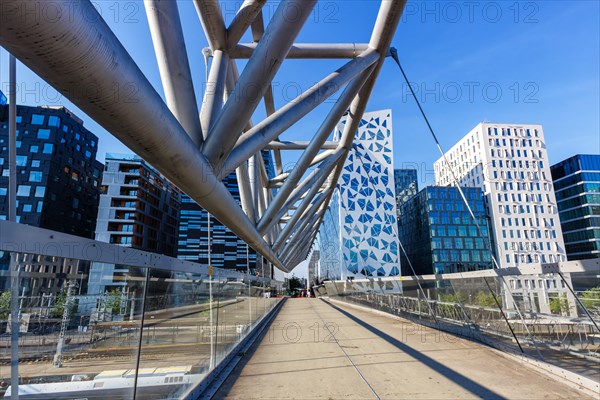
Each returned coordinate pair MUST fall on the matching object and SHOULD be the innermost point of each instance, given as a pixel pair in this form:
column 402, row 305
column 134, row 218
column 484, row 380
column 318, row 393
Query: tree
column 591, row 299
column 294, row 284
column 4, row 304
column 486, row 299
column 113, row 301
column 559, row 305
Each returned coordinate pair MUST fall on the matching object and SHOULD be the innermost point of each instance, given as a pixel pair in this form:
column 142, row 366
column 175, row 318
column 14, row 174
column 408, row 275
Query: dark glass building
column 58, row 187
column 227, row 250
column 439, row 234
column 58, row 176
column 577, row 188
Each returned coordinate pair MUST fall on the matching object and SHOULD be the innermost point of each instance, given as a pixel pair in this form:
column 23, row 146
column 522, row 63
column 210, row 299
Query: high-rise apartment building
column 359, row 238
column 577, row 188
column 439, row 234
column 510, row 163
column 58, row 187
column 138, row 208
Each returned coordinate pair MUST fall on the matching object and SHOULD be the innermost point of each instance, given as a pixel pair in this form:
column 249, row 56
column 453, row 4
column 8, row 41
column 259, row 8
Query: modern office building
column 58, row 187
column 139, row 208
column 439, row 234
column 227, row 250
column 510, row 164
column 362, row 240
column 406, row 185
column 577, row 188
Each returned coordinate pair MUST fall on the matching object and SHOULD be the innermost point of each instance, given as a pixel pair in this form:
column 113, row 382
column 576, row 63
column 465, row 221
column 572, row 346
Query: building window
column 33, row 149
column 40, row 191
column 21, row 161
column 53, row 120
column 35, row 163
column 48, row 148
column 43, row 133
column 35, row 176
column 37, row 119
column 24, row 190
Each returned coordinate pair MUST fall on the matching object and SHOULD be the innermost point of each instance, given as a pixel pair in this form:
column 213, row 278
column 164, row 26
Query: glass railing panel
column 74, row 343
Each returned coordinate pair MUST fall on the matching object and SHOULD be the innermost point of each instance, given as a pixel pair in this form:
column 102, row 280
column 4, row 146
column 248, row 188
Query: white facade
column 360, row 238
column 510, row 163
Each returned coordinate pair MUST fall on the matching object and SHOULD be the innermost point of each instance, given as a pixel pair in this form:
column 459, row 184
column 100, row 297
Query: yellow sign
column 210, row 270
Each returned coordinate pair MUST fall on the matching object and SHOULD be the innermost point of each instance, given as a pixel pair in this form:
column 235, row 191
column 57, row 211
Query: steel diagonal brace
column 173, row 64
column 143, row 122
column 311, row 184
column 271, row 127
column 259, row 72
column 303, row 212
column 335, row 114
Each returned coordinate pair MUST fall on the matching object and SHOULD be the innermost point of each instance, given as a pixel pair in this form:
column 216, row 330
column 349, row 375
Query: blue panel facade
column 577, row 188
column 366, row 221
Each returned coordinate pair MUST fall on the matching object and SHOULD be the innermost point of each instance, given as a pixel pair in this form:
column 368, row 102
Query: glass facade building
column 439, row 235
column 58, row 188
column 406, row 185
column 577, row 188
column 227, row 250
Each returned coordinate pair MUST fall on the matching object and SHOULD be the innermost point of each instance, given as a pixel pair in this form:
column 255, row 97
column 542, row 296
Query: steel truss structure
column 194, row 147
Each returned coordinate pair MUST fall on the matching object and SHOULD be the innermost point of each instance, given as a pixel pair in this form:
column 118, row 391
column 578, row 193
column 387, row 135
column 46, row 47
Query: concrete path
column 314, row 350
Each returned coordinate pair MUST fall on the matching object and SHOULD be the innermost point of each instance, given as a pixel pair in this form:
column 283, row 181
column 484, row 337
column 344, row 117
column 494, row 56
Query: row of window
column 458, row 230
column 579, row 201
column 577, row 178
column 518, row 197
column 450, row 243
column 522, row 186
column 525, row 209
column 576, row 190
column 529, row 233
column 529, row 246
column 583, row 235
column 461, row 256
column 580, row 212
column 532, row 222
column 499, row 153
column 515, row 142
column 534, row 258
column 512, row 132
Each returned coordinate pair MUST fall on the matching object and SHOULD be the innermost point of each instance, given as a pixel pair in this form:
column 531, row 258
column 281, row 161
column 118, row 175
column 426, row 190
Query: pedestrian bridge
column 322, row 349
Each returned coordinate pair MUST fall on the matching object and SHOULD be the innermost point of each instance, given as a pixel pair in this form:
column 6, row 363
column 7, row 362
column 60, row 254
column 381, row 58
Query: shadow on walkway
column 449, row 373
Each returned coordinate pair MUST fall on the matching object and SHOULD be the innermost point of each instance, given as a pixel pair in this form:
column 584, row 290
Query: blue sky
column 498, row 61
column 513, row 62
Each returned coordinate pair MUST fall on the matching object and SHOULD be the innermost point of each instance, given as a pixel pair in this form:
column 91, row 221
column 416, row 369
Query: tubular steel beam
column 211, row 18
column 308, row 50
column 298, row 145
column 250, row 88
column 270, row 128
column 215, row 87
column 383, row 32
column 141, row 121
column 248, row 12
column 165, row 28
column 303, row 210
column 312, row 150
